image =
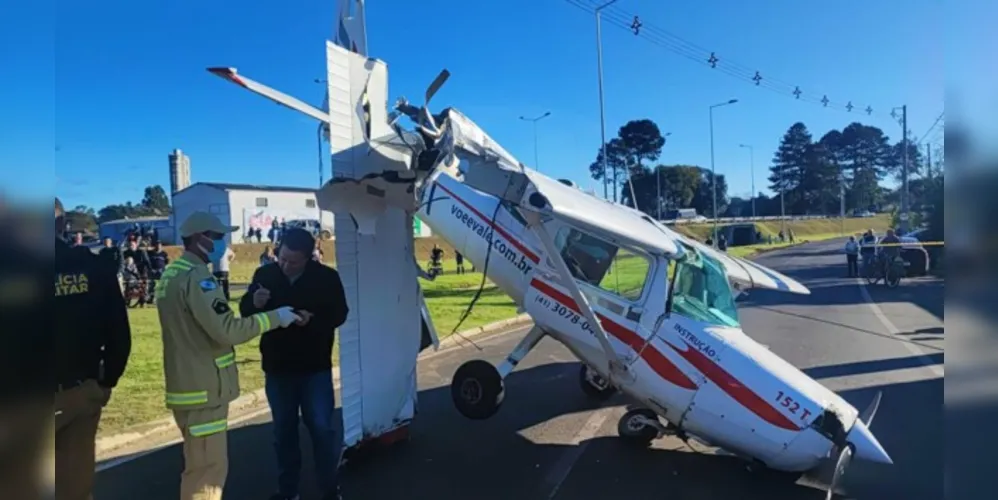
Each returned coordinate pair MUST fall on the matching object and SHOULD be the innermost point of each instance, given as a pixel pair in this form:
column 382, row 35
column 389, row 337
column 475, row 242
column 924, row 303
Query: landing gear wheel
column 477, row 389
column 595, row 386
column 633, row 428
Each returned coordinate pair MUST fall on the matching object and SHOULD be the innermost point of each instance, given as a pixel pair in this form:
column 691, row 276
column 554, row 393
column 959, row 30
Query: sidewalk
column 149, row 436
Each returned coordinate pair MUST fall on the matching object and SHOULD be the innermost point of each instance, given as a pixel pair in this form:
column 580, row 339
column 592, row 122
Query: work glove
column 286, row 316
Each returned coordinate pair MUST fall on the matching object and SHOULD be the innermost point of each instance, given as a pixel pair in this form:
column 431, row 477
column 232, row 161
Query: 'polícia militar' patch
column 208, row 285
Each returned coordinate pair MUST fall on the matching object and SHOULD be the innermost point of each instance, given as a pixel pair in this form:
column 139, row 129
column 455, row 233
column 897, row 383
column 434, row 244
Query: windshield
column 701, row 291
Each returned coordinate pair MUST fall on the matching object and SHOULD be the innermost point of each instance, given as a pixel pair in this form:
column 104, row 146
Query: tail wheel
column 477, row 389
column 595, row 386
column 633, row 427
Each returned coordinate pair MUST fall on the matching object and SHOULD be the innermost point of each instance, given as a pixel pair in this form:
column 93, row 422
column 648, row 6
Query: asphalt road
column 550, row 442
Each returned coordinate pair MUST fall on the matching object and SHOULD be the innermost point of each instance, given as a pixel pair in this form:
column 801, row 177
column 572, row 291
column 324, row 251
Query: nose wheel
column 640, row 426
column 595, row 386
column 477, row 389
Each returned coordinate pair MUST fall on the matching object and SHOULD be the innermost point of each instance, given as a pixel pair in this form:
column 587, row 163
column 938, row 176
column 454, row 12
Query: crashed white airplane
column 649, row 312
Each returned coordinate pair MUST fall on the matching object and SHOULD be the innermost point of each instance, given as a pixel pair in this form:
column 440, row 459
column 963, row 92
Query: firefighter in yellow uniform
column 199, row 333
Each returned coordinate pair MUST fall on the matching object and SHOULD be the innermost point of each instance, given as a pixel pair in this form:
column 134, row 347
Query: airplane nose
column 867, row 446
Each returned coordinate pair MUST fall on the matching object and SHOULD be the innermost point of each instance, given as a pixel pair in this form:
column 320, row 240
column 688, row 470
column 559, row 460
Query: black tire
column 597, row 393
column 325, row 235
column 477, row 389
column 893, row 278
column 639, row 435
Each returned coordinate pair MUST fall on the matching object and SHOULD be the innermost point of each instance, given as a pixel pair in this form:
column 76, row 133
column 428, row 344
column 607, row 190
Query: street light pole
column 537, row 164
column 658, row 181
column 602, row 119
column 713, row 172
column 751, row 152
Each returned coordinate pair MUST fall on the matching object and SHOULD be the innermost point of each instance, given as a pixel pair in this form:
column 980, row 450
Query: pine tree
column 787, row 174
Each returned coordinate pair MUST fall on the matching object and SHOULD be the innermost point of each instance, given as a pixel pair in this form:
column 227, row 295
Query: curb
column 166, row 429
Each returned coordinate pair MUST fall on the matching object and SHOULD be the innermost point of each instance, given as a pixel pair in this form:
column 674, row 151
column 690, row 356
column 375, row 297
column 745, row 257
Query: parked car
column 914, row 253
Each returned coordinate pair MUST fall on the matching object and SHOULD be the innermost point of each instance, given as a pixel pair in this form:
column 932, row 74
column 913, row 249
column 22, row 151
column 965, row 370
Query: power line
column 689, row 50
column 927, row 132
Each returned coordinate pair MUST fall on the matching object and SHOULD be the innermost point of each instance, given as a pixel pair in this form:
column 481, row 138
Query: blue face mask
column 219, row 250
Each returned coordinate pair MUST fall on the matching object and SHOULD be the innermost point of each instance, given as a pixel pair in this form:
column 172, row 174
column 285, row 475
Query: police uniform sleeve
column 209, row 308
column 117, row 330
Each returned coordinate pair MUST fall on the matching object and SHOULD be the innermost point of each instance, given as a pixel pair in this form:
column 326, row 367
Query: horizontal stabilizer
column 367, row 198
column 748, row 273
column 232, row 75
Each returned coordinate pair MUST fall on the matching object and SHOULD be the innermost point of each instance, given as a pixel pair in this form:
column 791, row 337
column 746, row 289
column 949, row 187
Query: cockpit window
column 701, row 290
column 602, row 264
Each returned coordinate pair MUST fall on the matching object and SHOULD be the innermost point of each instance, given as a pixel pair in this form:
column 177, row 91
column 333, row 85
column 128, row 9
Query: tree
column 614, row 159
column 865, row 154
column 703, row 198
column 154, row 203
column 790, row 165
column 155, row 200
column 637, row 141
column 640, row 140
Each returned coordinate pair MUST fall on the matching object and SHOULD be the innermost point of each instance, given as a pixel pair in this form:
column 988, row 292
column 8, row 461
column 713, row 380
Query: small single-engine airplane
column 648, row 311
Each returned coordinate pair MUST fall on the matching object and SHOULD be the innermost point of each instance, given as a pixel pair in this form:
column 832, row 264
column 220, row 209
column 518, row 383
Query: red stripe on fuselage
column 734, row 388
column 505, row 234
column 655, row 359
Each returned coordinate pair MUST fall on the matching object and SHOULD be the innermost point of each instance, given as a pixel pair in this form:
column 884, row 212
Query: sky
column 102, row 95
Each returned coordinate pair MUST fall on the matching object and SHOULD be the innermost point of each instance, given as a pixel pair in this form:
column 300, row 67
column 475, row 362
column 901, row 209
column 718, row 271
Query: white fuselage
column 715, row 383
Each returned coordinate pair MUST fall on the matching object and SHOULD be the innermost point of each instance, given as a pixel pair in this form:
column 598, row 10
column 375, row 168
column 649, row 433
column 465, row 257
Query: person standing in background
column 460, row 262
column 92, row 344
column 110, row 255
column 298, row 364
column 220, row 264
column 852, row 257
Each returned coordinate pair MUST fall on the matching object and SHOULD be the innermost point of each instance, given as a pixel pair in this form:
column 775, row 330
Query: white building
column 250, row 206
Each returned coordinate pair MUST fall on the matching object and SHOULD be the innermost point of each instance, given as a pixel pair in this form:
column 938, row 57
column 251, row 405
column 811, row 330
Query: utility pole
column 537, row 164
column 602, row 118
column 713, row 172
column 928, row 160
column 904, row 171
column 658, row 182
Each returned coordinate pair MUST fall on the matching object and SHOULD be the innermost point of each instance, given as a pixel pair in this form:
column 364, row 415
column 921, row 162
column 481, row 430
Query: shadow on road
column 880, row 365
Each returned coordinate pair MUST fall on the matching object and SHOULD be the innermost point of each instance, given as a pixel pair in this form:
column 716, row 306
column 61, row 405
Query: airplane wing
column 747, row 272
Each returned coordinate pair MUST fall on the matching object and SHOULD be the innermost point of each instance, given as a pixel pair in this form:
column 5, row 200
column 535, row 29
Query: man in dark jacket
column 298, row 365
column 110, row 255
column 139, row 255
column 92, row 345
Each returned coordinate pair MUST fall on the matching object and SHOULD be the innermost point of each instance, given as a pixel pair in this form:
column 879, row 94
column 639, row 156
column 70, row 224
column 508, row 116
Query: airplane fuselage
column 714, row 383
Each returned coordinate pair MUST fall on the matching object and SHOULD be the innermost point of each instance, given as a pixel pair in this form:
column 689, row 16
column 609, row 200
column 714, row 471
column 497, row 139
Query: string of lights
column 616, row 16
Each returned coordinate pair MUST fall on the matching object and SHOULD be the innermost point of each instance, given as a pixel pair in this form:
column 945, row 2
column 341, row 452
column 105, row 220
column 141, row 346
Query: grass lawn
column 139, row 396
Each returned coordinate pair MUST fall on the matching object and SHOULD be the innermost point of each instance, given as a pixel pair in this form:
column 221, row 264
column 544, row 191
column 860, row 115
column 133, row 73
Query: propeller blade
column 867, row 416
column 435, row 86
column 845, row 457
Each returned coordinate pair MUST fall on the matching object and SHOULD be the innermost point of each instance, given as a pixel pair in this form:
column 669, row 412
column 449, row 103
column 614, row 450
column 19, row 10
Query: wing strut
column 615, row 367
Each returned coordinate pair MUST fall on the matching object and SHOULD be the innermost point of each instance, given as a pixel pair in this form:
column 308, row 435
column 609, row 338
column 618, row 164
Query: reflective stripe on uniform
column 187, row 398
column 171, row 270
column 264, row 321
column 227, row 360
column 209, row 428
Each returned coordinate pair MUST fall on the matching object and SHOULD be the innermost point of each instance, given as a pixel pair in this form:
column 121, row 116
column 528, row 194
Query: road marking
column 115, row 462
column 920, row 355
column 561, row 469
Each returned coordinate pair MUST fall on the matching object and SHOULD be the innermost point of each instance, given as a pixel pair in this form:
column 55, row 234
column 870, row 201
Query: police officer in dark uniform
column 92, row 344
